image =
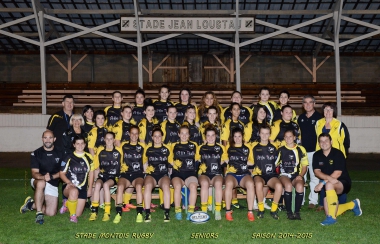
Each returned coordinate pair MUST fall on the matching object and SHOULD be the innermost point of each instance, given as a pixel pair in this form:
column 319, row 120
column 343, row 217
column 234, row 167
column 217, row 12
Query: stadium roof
column 359, row 18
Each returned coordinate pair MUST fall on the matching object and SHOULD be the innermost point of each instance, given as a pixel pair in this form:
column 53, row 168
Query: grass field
column 20, row 228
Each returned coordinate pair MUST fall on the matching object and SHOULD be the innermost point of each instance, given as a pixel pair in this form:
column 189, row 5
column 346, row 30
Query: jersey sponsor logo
column 57, row 160
column 268, row 168
column 320, row 163
column 199, row 217
column 115, row 155
column 135, row 166
column 214, row 167
column 189, row 163
column 49, row 154
column 162, row 167
column 243, row 167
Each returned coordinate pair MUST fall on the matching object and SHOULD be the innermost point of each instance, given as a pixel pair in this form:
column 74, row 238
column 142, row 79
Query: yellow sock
column 261, row 206
column 72, row 206
column 127, row 197
column 161, row 194
column 344, row 207
column 178, row 209
column 171, row 195
column 95, row 204
column 218, row 206
column 209, row 201
column 223, row 204
column 332, row 200
column 234, row 201
column 107, row 207
column 204, row 207
column 191, row 209
column 274, row 206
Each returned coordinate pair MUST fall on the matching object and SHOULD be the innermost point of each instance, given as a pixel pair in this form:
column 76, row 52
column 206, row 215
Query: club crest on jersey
column 291, row 157
column 164, row 150
column 312, row 122
column 56, row 160
column 245, row 151
column 191, row 146
column 271, row 150
column 331, row 161
column 115, row 154
column 217, row 149
column 81, row 163
column 138, row 148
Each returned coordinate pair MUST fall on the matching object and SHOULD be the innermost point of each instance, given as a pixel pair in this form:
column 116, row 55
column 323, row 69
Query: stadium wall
column 22, row 132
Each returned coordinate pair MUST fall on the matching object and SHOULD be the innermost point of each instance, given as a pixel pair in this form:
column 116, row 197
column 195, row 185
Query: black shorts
column 346, row 186
column 237, row 177
column 132, row 177
column 82, row 192
column 183, row 175
column 292, row 176
column 211, row 176
column 104, row 178
column 266, row 178
column 157, row 177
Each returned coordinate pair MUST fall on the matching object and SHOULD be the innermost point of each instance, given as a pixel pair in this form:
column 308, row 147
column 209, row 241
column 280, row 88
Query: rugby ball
column 199, row 217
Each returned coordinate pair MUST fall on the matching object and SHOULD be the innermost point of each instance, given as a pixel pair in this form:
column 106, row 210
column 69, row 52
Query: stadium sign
column 173, row 24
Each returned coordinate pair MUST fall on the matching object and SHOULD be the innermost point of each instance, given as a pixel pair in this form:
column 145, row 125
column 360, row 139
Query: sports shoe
column 237, row 205
column 357, row 210
column 93, row 216
column 124, row 208
column 242, row 191
column 188, row 215
column 250, row 216
column 74, row 219
column 297, row 216
column 117, row 219
column 281, row 207
column 106, row 217
column 139, row 218
column 178, row 216
column 229, row 216
column 102, row 206
column 290, row 216
column 218, row 215
column 167, row 217
column 40, row 218
column 63, row 209
column 130, row 206
column 328, row 221
column 260, row 214
column 148, row 218
column 274, row 215
column 24, row 208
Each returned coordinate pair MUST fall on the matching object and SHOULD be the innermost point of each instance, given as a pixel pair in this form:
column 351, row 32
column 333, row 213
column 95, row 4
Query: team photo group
column 206, row 152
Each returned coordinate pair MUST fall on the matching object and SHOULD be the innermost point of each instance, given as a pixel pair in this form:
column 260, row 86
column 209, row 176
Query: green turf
column 20, row 228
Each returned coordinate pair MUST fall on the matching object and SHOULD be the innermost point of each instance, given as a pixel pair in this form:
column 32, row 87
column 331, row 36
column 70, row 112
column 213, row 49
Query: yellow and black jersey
column 133, row 157
column 121, row 130
column 291, row 160
column 146, row 128
column 278, row 116
column 158, row 159
column 245, row 115
column 87, row 127
column 68, row 137
column 113, row 114
column 96, row 137
column 161, row 108
column 195, row 133
column 201, row 118
column 181, row 110
column 108, row 161
column 265, row 157
column 170, row 130
column 239, row 159
column 138, row 113
column 270, row 107
column 77, row 167
column 59, row 123
column 185, row 156
column 47, row 162
column 211, row 158
column 252, row 132
column 278, row 131
column 228, row 127
column 203, row 127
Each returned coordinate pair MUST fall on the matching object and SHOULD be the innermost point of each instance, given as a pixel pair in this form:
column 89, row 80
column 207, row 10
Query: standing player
column 307, row 122
column 231, row 123
column 292, row 160
column 88, row 116
column 147, row 124
column 170, row 126
column 162, row 103
column 96, row 135
column 113, row 113
column 208, row 100
column 184, row 104
column 330, row 167
column 195, row 134
column 121, row 128
column 45, row 166
column 214, row 120
column 270, row 106
column 60, row 121
column 245, row 112
column 252, row 129
column 138, row 108
column 283, row 100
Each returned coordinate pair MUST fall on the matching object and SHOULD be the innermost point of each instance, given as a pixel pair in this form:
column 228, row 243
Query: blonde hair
column 76, row 116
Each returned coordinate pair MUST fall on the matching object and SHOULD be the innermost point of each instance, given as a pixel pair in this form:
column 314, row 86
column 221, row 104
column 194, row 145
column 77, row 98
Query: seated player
column 240, row 161
column 121, row 127
column 265, row 155
column 329, row 166
column 45, row 166
column 108, row 160
column 185, row 156
column 132, row 173
column 292, row 160
column 77, row 173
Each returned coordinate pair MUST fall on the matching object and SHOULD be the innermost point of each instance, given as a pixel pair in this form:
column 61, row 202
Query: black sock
column 288, row 201
column 29, row 205
column 95, row 210
column 147, row 211
column 299, row 199
column 139, row 208
column 119, row 209
column 167, row 211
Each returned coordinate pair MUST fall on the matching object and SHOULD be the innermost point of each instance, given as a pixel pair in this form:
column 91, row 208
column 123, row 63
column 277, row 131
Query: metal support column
column 139, row 47
column 237, row 48
column 337, row 19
